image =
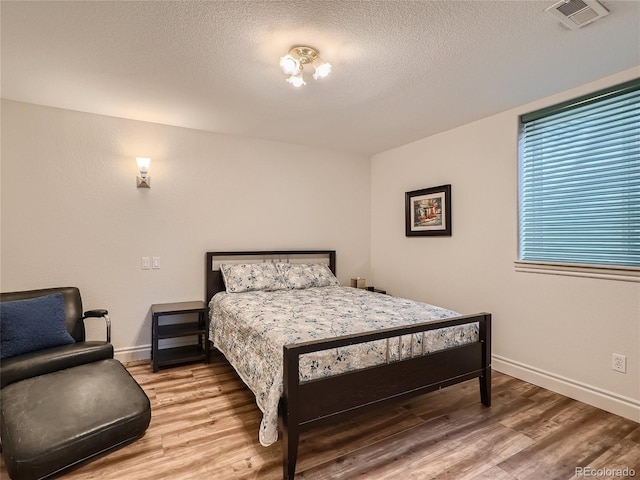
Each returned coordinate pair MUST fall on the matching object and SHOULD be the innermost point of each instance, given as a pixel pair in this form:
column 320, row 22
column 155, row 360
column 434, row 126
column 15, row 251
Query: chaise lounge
column 64, row 399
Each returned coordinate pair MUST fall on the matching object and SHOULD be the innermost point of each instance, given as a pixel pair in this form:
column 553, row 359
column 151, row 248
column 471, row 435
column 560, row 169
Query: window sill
column 610, row 272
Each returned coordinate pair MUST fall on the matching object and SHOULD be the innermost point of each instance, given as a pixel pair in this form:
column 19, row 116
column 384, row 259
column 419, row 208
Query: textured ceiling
column 402, row 70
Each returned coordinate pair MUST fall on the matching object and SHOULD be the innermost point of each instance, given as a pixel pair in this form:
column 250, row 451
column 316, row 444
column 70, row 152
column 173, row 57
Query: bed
column 314, row 352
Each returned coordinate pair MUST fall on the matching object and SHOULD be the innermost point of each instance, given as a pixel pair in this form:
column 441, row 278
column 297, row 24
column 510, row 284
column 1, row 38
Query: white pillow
column 247, row 277
column 306, row 275
column 296, row 275
column 324, row 275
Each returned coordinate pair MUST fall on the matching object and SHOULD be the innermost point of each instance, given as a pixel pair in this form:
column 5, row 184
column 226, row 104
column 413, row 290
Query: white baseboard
column 603, row 399
column 133, row 354
column 143, row 352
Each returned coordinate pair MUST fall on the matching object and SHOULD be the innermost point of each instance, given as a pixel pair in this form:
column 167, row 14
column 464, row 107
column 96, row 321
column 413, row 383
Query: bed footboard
column 312, row 403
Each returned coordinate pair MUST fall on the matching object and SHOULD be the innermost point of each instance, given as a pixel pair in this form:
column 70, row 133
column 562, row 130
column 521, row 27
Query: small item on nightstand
column 376, row 290
column 358, row 282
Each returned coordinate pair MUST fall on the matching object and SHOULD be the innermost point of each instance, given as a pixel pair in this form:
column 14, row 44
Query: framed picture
column 428, row 212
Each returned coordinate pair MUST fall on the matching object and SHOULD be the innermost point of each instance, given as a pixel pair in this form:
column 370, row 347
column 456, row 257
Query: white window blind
column 580, row 180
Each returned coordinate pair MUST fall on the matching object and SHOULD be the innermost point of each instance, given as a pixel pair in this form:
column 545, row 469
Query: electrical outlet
column 619, row 363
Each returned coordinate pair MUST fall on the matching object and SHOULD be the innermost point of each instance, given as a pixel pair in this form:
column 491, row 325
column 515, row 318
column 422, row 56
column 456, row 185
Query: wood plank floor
column 205, row 426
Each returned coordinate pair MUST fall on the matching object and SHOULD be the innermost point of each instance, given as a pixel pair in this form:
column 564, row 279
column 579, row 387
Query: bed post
column 290, row 421
column 485, row 378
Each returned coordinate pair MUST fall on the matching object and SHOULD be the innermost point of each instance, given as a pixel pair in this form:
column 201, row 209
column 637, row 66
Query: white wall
column 72, row 215
column 556, row 331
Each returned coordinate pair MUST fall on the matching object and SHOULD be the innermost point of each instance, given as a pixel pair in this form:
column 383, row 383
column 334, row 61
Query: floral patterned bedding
column 251, row 328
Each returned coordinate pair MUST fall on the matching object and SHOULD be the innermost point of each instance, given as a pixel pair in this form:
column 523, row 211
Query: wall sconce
column 143, row 180
column 293, row 63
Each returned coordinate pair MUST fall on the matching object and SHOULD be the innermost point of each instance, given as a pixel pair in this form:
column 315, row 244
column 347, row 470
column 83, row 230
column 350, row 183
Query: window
column 580, row 182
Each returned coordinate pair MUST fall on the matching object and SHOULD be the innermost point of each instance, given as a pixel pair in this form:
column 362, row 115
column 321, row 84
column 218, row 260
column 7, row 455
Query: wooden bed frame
column 312, row 403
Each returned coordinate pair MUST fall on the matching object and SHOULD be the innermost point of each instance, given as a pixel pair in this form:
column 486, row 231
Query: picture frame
column 428, row 212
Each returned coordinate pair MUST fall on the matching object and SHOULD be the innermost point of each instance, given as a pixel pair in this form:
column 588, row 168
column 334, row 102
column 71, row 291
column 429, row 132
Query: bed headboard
column 215, row 284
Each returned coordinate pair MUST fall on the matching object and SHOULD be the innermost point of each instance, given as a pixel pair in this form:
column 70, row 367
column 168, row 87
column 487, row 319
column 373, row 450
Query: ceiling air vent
column 577, row 13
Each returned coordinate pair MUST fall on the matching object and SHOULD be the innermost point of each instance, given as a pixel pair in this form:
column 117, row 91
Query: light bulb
column 143, row 165
column 290, row 65
column 296, row 80
column 322, row 68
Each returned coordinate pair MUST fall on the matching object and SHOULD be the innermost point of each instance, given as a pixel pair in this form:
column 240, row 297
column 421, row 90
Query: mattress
column 250, row 329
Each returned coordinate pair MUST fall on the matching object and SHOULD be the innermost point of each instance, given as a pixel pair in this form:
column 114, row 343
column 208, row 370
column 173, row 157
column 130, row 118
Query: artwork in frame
column 428, row 212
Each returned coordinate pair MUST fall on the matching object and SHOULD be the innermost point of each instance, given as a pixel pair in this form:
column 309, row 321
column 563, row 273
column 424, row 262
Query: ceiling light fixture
column 293, row 64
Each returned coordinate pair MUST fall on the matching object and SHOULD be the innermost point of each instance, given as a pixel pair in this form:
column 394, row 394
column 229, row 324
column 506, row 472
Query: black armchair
column 61, row 405
column 40, row 362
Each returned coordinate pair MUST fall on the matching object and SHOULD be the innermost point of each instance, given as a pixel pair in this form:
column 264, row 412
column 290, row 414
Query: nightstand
column 199, row 351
